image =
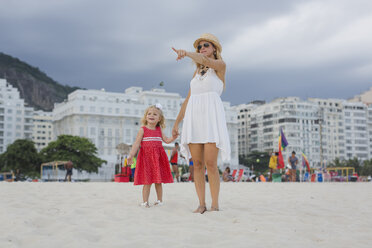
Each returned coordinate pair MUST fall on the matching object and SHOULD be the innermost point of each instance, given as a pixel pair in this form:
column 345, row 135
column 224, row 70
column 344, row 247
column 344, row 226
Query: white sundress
column 204, row 120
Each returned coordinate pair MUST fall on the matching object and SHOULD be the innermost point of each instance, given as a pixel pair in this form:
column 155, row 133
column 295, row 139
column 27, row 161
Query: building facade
column 108, row 119
column 323, row 129
column 15, row 117
column 42, row 132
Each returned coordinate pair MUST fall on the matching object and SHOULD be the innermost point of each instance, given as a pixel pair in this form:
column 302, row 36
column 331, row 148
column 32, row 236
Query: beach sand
column 252, row 215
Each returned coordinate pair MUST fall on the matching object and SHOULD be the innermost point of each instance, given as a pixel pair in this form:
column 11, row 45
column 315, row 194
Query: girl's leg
column 210, row 157
column 159, row 191
column 199, row 178
column 146, row 192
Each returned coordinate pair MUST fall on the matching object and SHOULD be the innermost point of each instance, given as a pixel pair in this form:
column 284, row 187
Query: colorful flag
column 280, row 159
column 282, row 144
column 305, row 162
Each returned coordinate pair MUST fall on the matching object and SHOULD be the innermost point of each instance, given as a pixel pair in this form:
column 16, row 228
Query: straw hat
column 210, row 38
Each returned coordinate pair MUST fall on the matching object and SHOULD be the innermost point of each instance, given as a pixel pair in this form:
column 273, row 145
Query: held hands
column 130, row 160
column 175, row 132
column 181, row 53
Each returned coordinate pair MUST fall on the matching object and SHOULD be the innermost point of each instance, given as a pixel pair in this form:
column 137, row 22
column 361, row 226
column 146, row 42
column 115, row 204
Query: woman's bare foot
column 200, row 210
column 214, row 209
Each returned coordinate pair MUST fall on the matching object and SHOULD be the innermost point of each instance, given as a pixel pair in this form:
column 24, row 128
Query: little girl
column 152, row 161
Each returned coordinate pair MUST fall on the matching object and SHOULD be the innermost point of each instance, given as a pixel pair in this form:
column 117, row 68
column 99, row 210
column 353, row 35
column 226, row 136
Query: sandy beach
column 252, row 215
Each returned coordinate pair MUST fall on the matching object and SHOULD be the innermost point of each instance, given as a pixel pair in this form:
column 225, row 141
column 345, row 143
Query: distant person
column 273, row 164
column 226, row 176
column 133, row 169
column 174, row 161
column 152, row 161
column 68, row 167
column 293, row 161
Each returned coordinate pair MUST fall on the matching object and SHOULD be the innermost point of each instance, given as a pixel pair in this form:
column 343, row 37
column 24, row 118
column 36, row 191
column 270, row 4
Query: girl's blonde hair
column 161, row 122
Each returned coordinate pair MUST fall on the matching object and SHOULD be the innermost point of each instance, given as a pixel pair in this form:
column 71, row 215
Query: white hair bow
column 158, row 105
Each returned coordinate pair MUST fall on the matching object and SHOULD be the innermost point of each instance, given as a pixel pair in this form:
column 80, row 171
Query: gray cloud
column 272, row 48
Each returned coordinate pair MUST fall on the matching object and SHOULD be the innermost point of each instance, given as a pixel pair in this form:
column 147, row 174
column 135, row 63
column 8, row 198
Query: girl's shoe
column 145, row 204
column 158, row 203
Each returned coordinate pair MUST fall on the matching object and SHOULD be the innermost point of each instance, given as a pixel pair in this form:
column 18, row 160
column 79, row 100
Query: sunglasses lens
column 199, row 47
column 206, row 44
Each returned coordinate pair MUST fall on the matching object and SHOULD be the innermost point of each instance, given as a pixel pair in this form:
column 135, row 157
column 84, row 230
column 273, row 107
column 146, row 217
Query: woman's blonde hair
column 161, row 122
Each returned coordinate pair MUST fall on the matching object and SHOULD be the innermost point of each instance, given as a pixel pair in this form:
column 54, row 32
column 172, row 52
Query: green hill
column 38, row 90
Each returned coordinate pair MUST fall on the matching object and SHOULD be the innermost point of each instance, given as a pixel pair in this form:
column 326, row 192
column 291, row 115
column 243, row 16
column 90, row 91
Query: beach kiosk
column 53, row 171
column 124, row 170
column 340, row 174
column 7, row 176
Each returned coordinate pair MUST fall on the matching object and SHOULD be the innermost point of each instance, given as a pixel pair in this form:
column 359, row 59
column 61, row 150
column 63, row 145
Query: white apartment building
column 365, row 97
column 331, row 129
column 109, row 118
column 324, row 129
column 298, row 120
column 244, row 122
column 345, row 129
column 356, row 130
column 42, row 132
column 369, row 128
column 15, row 117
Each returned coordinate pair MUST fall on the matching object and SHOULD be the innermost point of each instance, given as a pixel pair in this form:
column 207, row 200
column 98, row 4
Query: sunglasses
column 205, row 45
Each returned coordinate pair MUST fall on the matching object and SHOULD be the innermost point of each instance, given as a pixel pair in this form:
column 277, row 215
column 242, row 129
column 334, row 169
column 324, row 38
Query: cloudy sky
column 272, row 48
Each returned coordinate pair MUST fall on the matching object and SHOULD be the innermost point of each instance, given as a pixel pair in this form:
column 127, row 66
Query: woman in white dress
column 204, row 131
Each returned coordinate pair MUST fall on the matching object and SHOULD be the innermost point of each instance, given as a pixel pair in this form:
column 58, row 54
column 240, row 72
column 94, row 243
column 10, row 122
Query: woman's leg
column 199, row 179
column 159, row 191
column 210, row 158
column 146, row 192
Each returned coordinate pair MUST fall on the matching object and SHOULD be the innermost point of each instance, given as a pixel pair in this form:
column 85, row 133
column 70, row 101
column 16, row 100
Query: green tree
column 337, row 163
column 79, row 150
column 259, row 161
column 367, row 168
column 352, row 162
column 21, row 155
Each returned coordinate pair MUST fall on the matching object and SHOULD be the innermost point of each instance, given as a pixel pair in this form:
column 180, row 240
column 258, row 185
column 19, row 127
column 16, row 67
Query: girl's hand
column 130, row 160
column 181, row 53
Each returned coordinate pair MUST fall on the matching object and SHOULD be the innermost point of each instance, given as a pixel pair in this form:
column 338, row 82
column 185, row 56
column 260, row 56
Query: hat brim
column 217, row 45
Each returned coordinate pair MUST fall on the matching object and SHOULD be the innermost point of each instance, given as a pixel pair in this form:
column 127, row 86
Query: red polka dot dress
column 152, row 162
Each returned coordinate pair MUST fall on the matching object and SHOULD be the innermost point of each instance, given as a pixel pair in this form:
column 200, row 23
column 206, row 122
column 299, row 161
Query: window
column 81, row 131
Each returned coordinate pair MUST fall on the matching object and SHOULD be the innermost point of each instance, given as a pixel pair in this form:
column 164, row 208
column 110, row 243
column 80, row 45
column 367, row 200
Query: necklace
column 203, row 69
